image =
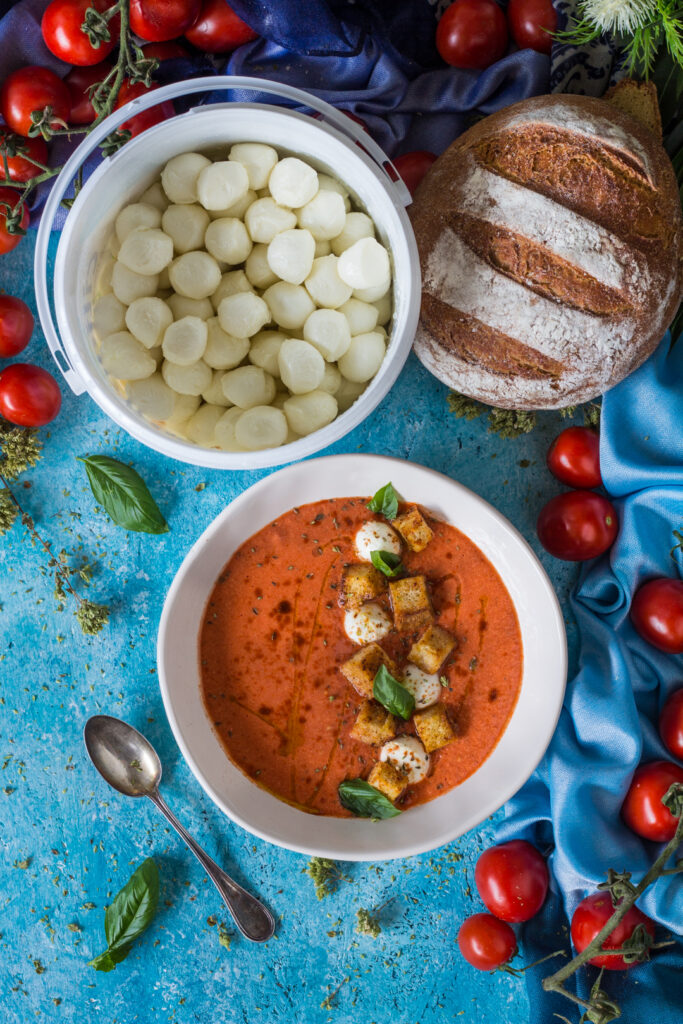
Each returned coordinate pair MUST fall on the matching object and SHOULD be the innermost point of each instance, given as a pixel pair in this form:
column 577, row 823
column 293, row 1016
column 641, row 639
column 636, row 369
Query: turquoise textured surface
column 69, row 843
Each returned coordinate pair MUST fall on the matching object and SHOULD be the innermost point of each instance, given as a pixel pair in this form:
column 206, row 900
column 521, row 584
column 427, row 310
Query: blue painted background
column 82, row 840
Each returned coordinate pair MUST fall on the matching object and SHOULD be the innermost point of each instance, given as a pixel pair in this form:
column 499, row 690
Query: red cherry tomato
column 20, row 166
column 574, row 457
column 577, row 525
column 61, row 28
column 642, row 809
column 657, row 614
column 29, row 395
column 29, row 89
column 413, row 166
column 589, row 917
column 531, row 23
column 218, row 29
column 486, row 942
column 164, row 51
column 671, row 724
column 158, row 20
column 472, row 34
column 8, row 241
column 79, row 82
column 512, row 880
column 153, row 115
column 16, row 326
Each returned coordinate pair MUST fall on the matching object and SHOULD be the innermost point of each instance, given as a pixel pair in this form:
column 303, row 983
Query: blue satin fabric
column 609, row 720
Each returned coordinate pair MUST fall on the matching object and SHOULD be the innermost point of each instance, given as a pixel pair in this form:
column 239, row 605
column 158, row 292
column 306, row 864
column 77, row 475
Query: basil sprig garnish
column 387, row 562
column 391, row 695
column 364, row 800
column 127, row 916
column 385, row 502
column 123, row 494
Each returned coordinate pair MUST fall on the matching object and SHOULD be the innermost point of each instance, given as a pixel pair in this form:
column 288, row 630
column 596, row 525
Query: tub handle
column 54, row 343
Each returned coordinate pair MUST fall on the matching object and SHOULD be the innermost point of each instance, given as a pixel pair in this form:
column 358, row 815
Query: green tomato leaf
column 123, row 494
column 387, row 562
column 359, row 796
column 391, row 695
column 385, row 502
column 128, row 915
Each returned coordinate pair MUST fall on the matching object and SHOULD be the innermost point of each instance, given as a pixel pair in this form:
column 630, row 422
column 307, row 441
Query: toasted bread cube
column 361, row 583
column 432, row 649
column 374, row 724
column 387, row 780
column 414, row 529
column 411, row 604
column 361, row 669
column 433, row 727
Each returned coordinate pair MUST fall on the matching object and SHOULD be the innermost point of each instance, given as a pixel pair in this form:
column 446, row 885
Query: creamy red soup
column 272, row 642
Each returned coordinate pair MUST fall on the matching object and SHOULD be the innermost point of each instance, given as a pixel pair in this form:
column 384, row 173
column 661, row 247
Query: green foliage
column 92, row 617
column 387, row 562
column 326, row 875
column 8, row 511
column 123, row 494
column 368, row 923
column 20, row 449
column 128, row 915
column 385, row 501
column 365, row 800
column 391, row 695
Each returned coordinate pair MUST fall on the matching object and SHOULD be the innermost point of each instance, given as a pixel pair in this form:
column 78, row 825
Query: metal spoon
column 131, row 765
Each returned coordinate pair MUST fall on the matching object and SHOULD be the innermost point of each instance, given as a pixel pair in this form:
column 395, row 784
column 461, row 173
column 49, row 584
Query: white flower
column 624, row 16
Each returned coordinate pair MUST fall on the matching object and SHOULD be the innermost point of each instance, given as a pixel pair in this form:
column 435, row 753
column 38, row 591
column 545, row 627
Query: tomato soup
column 272, row 641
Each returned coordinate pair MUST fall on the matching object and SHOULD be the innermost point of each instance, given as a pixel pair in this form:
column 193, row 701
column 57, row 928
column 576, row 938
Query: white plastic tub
column 122, row 178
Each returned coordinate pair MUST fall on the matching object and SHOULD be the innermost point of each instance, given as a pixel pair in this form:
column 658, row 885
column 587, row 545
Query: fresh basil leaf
column 364, row 800
column 391, row 695
column 123, row 494
column 108, row 960
column 385, row 502
column 387, row 562
column 128, row 915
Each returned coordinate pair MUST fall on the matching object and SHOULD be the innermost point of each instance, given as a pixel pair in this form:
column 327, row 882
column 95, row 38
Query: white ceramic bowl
column 429, row 825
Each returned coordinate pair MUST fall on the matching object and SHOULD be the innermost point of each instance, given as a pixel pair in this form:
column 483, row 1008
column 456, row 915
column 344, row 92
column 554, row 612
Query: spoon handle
column 251, row 917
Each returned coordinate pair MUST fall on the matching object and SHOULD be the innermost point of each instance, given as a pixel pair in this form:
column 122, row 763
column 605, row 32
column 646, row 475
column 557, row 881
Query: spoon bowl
column 122, row 756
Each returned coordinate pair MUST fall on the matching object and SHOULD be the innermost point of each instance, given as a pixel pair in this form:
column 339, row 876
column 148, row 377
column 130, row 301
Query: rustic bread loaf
column 550, row 242
column 640, row 100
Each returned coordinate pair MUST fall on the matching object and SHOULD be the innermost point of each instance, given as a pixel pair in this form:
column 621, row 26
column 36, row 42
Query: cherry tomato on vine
column 642, row 809
column 61, row 28
column 158, row 20
column 472, row 34
column 657, row 614
column 21, row 167
column 577, row 525
column 78, row 82
column 671, row 724
column 486, row 942
column 164, row 51
column 574, row 457
column 531, row 24
column 413, row 166
column 29, row 395
column 589, row 917
column 33, row 89
column 512, row 880
column 16, row 326
column 153, row 115
column 8, row 240
column 218, row 29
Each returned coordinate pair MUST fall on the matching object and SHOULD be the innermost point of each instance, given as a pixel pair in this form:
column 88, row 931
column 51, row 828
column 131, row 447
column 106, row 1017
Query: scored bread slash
column 433, row 727
column 361, row 669
column 362, row 583
column 374, row 724
column 432, row 649
column 414, row 529
column 388, row 780
column 411, row 604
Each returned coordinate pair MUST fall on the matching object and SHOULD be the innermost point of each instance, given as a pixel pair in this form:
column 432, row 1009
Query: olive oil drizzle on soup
column 272, row 641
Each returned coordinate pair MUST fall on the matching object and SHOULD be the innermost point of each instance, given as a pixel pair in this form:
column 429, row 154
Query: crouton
column 414, row 529
column 432, row 649
column 362, row 583
column 387, row 780
column 410, row 603
column 361, row 669
column 433, row 727
column 374, row 724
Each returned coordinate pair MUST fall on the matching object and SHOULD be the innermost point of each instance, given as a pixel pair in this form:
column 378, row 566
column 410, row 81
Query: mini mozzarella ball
column 152, row 397
column 290, row 255
column 326, row 183
column 125, row 358
column 367, row 624
column 356, row 226
column 227, row 239
column 293, row 182
column 222, row 184
column 306, row 413
column 407, row 755
column 223, row 351
column 257, row 267
column 214, row 394
column 146, row 251
column 243, row 315
column 322, row 248
column 248, row 386
column 147, row 319
column 373, row 293
column 108, row 315
column 258, row 161
column 181, row 306
column 363, row 357
column 201, row 426
column 290, row 305
column 237, row 209
column 347, row 393
column 328, row 330
column 187, row 380
column 385, row 309
column 129, row 286
column 264, row 351
column 425, row 688
column 186, row 225
column 184, row 406
column 179, row 177
column 301, row 366
column 104, row 273
column 231, row 283
column 332, row 379
column 195, row 274
column 324, row 216
column 376, row 535
column 265, row 219
column 224, row 432
column 325, row 286
column 134, row 217
column 365, row 264
column 261, row 427
column 155, row 196
column 361, row 316
column 185, row 341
